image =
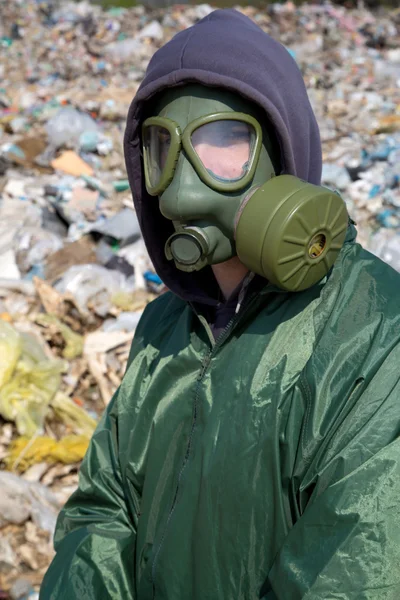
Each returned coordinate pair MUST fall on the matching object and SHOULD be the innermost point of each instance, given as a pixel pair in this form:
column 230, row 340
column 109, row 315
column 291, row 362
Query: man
column 252, row 449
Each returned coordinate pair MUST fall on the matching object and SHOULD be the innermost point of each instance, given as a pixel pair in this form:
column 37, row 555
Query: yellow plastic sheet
column 28, row 380
column 25, row 452
column 10, row 351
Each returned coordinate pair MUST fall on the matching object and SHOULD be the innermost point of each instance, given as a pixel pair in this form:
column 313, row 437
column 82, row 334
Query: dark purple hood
column 228, row 50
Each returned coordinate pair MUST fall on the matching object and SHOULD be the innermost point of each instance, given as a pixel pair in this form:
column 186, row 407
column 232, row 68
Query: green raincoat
column 263, row 465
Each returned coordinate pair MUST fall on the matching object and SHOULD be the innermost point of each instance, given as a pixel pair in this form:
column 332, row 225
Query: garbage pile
column 75, row 275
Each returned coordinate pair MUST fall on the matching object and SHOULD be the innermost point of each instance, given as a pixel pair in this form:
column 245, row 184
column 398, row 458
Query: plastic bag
column 93, row 284
column 68, row 125
column 10, row 351
column 29, row 381
column 73, row 415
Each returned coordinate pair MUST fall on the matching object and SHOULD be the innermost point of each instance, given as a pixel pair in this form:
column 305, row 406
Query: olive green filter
column 291, row 232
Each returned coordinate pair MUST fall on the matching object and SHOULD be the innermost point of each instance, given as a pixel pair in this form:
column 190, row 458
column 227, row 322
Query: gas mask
column 213, row 167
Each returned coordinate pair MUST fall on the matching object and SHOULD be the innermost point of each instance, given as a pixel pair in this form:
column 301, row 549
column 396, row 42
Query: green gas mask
column 213, row 167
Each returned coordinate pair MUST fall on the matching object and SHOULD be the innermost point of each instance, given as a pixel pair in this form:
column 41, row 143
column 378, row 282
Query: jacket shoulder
column 370, row 280
column 159, row 318
column 360, row 301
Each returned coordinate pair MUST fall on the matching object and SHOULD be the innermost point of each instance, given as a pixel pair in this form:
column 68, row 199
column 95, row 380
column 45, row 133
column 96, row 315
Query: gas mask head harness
column 212, row 162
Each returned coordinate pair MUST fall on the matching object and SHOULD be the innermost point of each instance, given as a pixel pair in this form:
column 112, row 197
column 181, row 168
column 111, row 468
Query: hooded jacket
column 266, row 463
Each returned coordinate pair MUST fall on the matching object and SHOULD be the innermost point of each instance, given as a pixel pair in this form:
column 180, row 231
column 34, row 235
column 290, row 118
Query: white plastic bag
column 67, row 126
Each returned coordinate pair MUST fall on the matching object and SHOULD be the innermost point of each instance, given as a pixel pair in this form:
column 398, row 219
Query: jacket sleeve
column 346, row 543
column 95, row 534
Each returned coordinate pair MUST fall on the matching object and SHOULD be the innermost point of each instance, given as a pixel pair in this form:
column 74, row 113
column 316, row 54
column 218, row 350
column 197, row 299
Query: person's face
column 203, row 151
column 223, row 147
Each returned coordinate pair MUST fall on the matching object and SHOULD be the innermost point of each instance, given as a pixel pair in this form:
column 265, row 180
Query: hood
column 228, row 50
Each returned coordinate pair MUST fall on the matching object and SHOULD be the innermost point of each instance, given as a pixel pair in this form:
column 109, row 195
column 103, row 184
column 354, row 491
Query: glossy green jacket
column 263, row 465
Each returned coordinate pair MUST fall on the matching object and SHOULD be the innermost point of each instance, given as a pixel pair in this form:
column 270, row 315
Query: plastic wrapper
column 30, row 381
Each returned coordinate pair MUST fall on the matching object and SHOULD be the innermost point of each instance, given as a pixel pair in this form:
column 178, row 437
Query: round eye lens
column 225, row 148
column 157, row 141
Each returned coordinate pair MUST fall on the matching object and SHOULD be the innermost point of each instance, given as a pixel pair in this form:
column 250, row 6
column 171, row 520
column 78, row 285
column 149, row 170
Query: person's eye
column 239, row 135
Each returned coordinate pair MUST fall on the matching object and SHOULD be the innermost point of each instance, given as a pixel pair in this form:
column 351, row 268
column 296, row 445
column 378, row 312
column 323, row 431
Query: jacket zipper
column 206, row 361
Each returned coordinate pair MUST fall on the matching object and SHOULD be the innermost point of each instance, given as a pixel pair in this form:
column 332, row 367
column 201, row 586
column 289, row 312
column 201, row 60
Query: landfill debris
column 126, row 321
column 22, row 590
column 7, row 555
column 122, row 228
column 21, row 500
column 73, row 341
column 75, row 274
column 121, row 186
column 71, row 413
column 10, row 350
column 68, row 126
column 80, row 252
column 103, row 341
column 71, row 164
column 93, row 286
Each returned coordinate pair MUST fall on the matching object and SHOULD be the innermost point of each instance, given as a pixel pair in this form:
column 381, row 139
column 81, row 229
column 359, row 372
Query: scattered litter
column 74, row 253
column 73, row 341
column 69, row 162
column 73, row 415
column 22, row 590
column 93, row 285
column 21, row 500
column 68, row 126
column 121, row 186
column 103, row 341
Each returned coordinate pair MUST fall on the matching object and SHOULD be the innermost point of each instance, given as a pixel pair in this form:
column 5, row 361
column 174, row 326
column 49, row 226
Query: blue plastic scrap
column 153, row 277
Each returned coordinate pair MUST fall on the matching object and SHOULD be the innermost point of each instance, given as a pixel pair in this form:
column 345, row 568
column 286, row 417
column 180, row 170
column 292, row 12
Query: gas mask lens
column 157, row 141
column 225, row 148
